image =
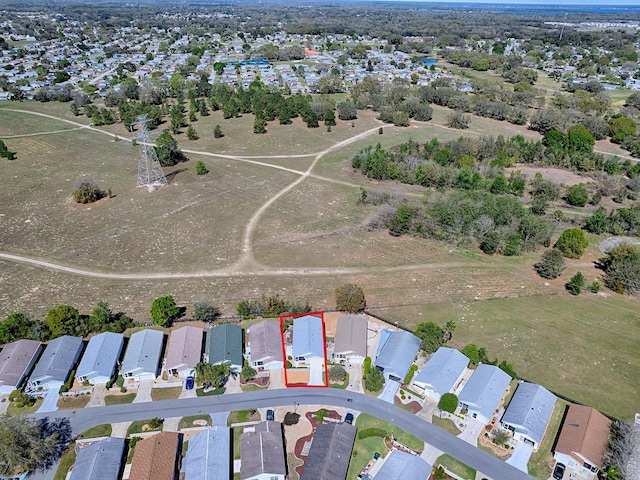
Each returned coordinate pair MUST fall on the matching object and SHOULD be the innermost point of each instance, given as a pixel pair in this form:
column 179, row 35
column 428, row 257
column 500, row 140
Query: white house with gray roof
column 143, row 355
column 56, row 363
column 16, row 361
column 442, row 373
column 209, row 455
column 528, row 413
column 99, row 461
column 308, row 338
column 265, row 345
column 396, row 352
column 482, row 394
column 400, row 465
column 99, row 361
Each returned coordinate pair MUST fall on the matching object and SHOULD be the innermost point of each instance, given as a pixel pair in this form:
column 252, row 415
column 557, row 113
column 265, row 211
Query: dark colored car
column 270, row 415
column 558, row 472
column 189, row 383
column 348, row 418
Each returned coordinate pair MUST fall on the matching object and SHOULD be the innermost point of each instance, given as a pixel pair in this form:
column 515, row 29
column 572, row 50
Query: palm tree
column 448, row 329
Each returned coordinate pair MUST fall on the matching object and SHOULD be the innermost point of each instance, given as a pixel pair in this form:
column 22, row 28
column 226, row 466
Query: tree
column 337, row 373
column 577, row 195
column 164, row 311
column 19, row 325
column 201, row 168
column 30, row 444
column 350, row 298
column 499, row 186
column 490, row 242
column 103, row 319
column 374, row 381
column 347, row 110
column 458, row 120
column 5, row 152
column 501, row 437
column 447, row 331
column 86, row 190
column 621, row 127
column 65, row 320
column 248, row 372
column 259, row 125
column 192, row 134
column 205, row 311
column 329, row 117
column 431, row 336
column 574, row 286
column 621, row 266
column 572, row 243
column 597, row 223
column 217, row 132
column 551, row 264
column 448, row 402
column 210, row 375
column 291, row 418
column 507, row 368
column 167, row 149
column 472, row 353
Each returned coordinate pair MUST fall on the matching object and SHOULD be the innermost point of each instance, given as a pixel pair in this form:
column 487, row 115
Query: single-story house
column 224, row 345
column 99, row 461
column 482, row 394
column 55, row 364
column 442, row 373
column 98, row 364
column 400, row 465
column 351, row 338
column 330, row 452
column 262, row 453
column 209, row 455
column 528, row 413
column 143, row 355
column 265, row 345
column 396, row 352
column 308, row 338
column 16, row 361
column 154, row 457
column 184, row 351
column 583, row 438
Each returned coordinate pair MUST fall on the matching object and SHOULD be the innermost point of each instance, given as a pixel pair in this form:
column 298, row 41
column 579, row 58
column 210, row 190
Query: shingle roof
column 15, row 359
column 154, row 458
column 396, row 352
column 330, row 452
column 351, row 335
column 185, row 348
column 99, row 461
column 209, row 455
column 308, row 337
column 262, row 451
column 485, row 389
column 530, row 408
column 584, row 431
column 58, row 359
column 403, row 466
column 101, row 355
column 443, row 370
column 224, row 344
column 266, row 341
column 143, row 352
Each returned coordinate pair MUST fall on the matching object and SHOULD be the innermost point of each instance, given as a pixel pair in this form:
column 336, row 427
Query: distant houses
column 265, row 345
column 184, row 351
column 101, row 460
column 330, row 452
column 16, row 361
column 528, row 413
column 142, row 358
column 396, row 352
column 483, row 393
column 224, row 345
column 442, row 373
column 351, row 339
column 99, row 361
column 55, row 364
column 262, row 452
column 209, row 455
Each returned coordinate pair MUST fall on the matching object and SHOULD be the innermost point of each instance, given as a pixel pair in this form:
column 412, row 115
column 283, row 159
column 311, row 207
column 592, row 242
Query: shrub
column 320, row 414
column 551, row 264
column 410, row 373
column 572, row 243
column 366, row 366
column 205, row 311
column 337, row 373
column 448, row 402
column 621, row 266
column 374, row 381
column 86, row 191
column 594, row 287
column 458, row 120
column 371, row 432
column 291, row 418
column 248, row 372
column 201, row 168
column 577, row 195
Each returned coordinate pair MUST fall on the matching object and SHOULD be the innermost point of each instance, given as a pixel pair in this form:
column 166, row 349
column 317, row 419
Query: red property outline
column 324, row 349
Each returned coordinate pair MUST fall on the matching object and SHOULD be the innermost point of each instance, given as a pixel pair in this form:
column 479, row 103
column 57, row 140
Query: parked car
column 189, row 383
column 558, row 472
column 348, row 418
column 270, row 415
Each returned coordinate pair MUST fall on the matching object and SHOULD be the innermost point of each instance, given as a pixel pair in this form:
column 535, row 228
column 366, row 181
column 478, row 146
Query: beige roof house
column 265, row 344
column 184, row 351
column 351, row 338
column 583, row 438
column 16, row 361
column 262, row 452
column 155, row 457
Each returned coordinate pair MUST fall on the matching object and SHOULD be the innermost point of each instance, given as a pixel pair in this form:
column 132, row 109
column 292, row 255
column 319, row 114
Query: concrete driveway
column 144, row 392
column 316, row 369
column 355, row 378
column 390, row 389
column 472, row 431
column 50, row 403
column 276, row 378
column 429, row 409
column 520, row 456
column 97, row 396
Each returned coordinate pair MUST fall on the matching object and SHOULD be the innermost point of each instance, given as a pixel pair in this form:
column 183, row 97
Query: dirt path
column 41, row 133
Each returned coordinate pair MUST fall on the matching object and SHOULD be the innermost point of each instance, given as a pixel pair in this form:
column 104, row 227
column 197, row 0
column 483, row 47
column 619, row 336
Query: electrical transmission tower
column 150, row 174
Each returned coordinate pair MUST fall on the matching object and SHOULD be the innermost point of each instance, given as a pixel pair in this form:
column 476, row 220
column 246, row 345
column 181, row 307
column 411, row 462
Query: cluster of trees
column 212, row 376
column 621, row 267
column 433, row 336
column 624, row 441
column 5, row 152
column 269, row 306
column 478, row 355
column 622, row 221
column 86, row 190
column 350, row 298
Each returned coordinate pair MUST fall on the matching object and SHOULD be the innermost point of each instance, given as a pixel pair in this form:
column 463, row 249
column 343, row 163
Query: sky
column 633, row 3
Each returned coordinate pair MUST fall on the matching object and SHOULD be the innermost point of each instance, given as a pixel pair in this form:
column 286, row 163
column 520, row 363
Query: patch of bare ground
column 555, row 175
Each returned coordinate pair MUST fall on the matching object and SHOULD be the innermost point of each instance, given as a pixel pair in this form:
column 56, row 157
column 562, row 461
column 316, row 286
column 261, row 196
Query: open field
column 247, row 229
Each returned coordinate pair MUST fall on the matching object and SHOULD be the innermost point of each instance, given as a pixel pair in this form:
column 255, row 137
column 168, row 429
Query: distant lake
column 427, row 62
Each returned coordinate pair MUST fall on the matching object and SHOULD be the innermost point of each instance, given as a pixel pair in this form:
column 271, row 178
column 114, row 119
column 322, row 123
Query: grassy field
column 103, row 430
column 454, row 466
column 169, row 393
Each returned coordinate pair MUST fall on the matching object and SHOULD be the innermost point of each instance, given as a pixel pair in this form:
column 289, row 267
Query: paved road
column 438, row 438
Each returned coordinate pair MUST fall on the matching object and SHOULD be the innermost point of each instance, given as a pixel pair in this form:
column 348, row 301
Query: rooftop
column 101, row 355
column 99, row 461
column 58, row 359
column 403, row 466
column 144, row 351
column 154, row 457
column 351, row 335
column 443, row 370
column 15, row 359
column 209, row 455
column 266, row 341
column 330, row 452
column 485, row 389
column 185, row 348
column 531, row 408
column 585, row 431
column 396, row 352
column 224, row 344
column 262, row 451
column 308, row 336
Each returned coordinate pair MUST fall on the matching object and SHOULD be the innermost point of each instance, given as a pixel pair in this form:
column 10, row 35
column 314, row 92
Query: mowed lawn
column 584, row 347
